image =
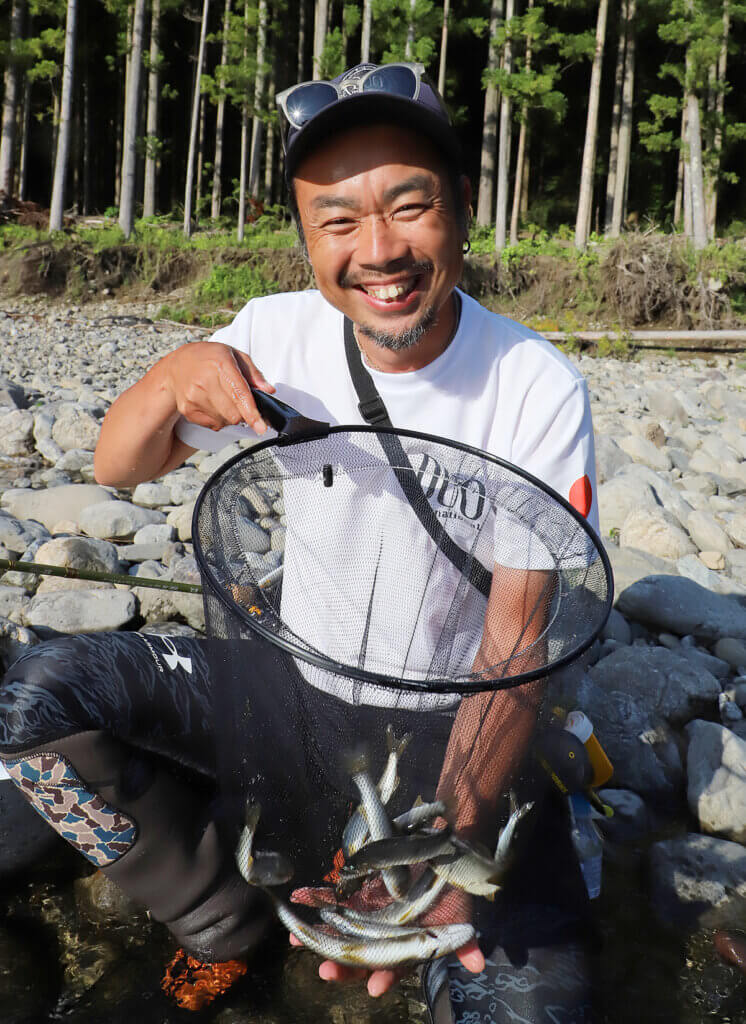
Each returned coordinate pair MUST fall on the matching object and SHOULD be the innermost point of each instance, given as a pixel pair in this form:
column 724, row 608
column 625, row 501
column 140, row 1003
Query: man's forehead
column 377, row 149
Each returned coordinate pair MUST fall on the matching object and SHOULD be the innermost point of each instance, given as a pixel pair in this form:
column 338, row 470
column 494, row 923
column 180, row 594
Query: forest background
column 581, row 122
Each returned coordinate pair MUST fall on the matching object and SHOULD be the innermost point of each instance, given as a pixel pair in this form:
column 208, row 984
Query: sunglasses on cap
column 300, row 103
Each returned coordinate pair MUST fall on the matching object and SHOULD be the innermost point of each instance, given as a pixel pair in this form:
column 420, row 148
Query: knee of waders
column 43, row 696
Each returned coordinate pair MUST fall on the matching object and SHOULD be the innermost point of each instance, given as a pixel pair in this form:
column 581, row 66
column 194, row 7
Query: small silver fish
column 258, row 867
column 420, row 897
column 424, row 944
column 503, row 851
column 420, row 814
column 357, row 830
column 364, row 928
column 396, row 880
column 412, row 848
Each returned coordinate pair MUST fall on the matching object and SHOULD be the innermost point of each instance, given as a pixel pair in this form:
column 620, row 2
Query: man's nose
column 380, row 243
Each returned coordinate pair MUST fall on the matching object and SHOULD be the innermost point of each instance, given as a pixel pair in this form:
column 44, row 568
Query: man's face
column 384, row 236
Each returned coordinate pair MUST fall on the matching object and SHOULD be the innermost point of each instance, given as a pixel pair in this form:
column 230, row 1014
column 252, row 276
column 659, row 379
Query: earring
column 467, row 247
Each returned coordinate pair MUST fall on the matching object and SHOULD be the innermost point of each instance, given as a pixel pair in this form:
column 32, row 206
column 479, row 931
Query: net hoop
column 466, row 684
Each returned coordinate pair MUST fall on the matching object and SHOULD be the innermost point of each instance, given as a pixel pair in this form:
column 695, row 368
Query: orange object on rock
column 194, row 984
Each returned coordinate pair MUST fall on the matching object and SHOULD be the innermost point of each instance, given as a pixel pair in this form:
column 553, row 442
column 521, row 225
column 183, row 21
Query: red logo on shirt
column 581, row 495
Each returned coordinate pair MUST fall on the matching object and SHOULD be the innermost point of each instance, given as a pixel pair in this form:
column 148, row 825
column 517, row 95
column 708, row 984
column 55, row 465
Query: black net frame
column 270, row 629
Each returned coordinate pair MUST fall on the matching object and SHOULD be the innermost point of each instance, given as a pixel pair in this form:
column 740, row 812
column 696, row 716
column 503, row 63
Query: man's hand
column 452, row 907
column 209, row 385
column 206, row 382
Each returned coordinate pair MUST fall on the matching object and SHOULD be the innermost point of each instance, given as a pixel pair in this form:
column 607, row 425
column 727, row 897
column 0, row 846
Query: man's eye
column 409, row 210
column 339, row 222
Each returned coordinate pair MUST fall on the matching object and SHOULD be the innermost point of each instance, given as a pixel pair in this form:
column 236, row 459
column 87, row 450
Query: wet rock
column 617, row 628
column 102, row 902
column 715, row 785
column 17, row 535
column 698, row 880
column 632, row 820
column 27, row 994
column 681, row 606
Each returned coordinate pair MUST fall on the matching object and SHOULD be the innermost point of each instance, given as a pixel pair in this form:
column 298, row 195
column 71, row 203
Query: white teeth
column 392, row 291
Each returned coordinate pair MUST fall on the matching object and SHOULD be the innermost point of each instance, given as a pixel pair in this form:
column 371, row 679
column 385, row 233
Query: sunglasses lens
column 306, row 101
column 398, row 80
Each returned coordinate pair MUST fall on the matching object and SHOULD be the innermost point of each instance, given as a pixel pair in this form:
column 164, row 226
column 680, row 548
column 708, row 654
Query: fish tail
column 252, row 814
column 357, row 762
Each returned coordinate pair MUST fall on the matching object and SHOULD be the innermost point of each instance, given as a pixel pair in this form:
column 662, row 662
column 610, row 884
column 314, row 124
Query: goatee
column 401, row 340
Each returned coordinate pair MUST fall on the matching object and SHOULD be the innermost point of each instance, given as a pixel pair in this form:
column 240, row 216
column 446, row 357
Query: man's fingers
column 234, row 385
column 471, row 957
column 381, row 981
column 251, row 372
column 331, row 971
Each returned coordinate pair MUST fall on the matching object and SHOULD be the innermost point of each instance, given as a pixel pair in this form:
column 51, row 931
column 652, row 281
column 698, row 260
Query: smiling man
column 375, row 176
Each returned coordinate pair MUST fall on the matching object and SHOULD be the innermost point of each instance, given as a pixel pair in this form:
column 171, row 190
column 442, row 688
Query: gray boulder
column 641, row 450
column 609, row 458
column 698, row 880
column 17, row 535
column 662, row 683
column 54, row 504
column 82, row 611
column 83, row 553
column 681, row 606
column 75, row 428
column 16, row 432
column 731, row 650
column 116, row 519
column 716, row 787
column 618, row 497
column 15, row 640
column 630, row 565
column 657, row 532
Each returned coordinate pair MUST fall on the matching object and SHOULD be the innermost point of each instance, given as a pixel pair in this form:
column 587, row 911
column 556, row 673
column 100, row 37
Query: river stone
column 681, row 606
column 15, row 640
column 617, row 628
column 154, row 533
column 80, row 553
column 731, row 650
column 16, row 432
column 43, row 423
column 255, row 500
column 662, row 682
column 666, row 495
column 253, row 538
column 698, row 880
column 184, row 485
column 75, row 428
column 102, row 902
column 17, row 535
column 609, row 458
column 707, row 662
column 716, row 788
column 213, row 462
column 706, row 533
column 12, row 601
column 735, row 562
column 643, row 749
column 712, row 560
column 75, row 461
column 181, row 521
column 143, row 552
column 55, row 503
column 82, row 611
column 151, row 495
column 667, row 406
column 618, row 498
column 116, row 519
column 736, row 529
column 632, row 820
column 657, row 532
column 640, row 449
column 629, row 566
column 692, row 568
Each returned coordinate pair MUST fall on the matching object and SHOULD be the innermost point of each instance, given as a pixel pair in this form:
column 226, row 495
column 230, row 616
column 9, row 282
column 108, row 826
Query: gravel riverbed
column 665, row 686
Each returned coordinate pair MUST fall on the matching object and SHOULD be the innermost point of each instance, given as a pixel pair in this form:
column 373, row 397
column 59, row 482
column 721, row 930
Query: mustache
column 351, row 280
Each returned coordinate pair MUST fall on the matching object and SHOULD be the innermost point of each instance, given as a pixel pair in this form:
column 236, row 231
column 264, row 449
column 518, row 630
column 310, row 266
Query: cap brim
column 372, row 108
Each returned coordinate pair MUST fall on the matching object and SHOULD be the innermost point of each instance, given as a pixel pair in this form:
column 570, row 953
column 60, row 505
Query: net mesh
column 384, row 609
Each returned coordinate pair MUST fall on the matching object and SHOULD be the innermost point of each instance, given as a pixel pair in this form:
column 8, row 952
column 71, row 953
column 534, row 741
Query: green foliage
column 332, row 62
column 228, row 284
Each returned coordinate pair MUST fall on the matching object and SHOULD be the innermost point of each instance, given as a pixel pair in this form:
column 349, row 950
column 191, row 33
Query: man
column 375, row 177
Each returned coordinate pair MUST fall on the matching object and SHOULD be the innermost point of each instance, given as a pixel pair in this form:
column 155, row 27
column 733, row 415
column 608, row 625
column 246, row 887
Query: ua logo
column 174, row 658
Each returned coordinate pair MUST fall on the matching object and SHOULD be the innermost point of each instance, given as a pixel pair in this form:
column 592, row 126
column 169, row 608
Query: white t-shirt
column 498, row 387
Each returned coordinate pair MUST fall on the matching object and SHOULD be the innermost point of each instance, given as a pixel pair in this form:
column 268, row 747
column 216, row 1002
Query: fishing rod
column 40, row 569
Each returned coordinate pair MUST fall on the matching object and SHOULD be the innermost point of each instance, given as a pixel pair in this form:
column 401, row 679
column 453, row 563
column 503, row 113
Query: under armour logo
column 174, row 658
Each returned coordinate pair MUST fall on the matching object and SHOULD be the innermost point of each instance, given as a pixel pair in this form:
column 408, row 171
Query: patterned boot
column 148, row 833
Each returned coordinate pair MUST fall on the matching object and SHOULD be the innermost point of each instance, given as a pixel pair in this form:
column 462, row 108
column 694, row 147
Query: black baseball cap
column 425, row 114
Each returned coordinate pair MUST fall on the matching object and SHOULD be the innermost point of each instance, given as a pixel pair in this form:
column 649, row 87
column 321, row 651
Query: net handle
column 286, row 420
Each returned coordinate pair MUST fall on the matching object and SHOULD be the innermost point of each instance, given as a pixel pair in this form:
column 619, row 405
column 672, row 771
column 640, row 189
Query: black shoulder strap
column 373, row 411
